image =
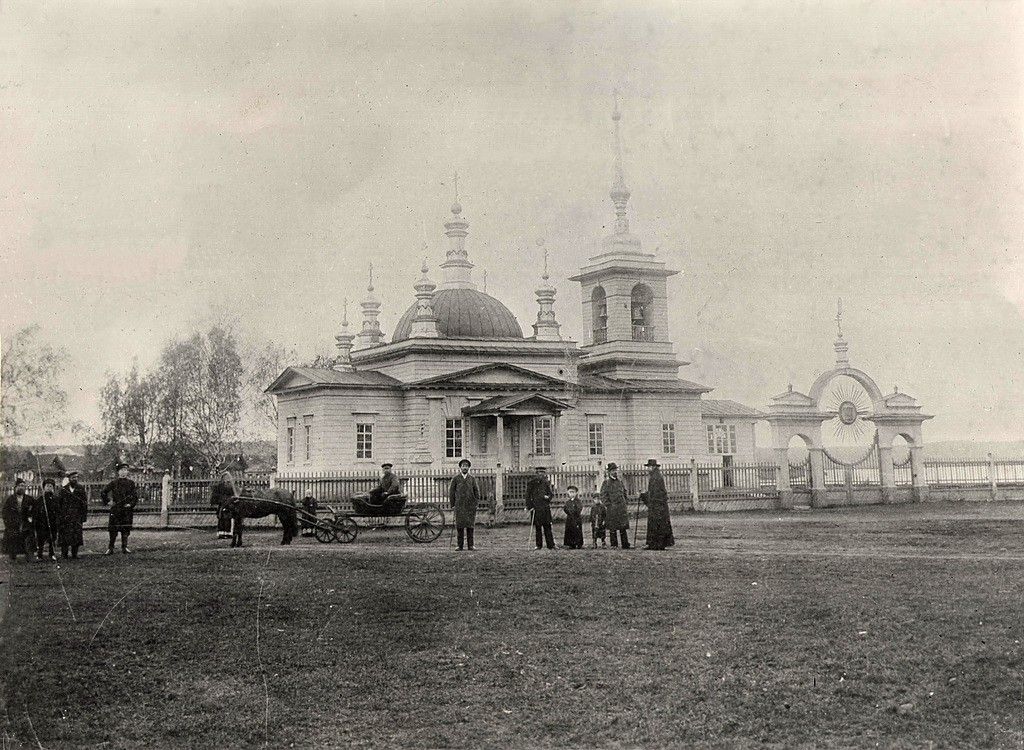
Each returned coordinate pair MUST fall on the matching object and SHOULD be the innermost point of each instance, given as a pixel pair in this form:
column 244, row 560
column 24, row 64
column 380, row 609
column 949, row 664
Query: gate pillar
column 818, row 496
column 888, row 473
column 917, row 470
column 782, row 479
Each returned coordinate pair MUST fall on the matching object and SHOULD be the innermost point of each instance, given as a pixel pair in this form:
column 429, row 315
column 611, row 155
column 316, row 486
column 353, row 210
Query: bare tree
column 262, row 366
column 130, row 412
column 31, row 396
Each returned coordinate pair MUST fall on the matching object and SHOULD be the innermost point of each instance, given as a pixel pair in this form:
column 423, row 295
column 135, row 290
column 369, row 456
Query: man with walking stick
column 613, row 495
column 538, row 500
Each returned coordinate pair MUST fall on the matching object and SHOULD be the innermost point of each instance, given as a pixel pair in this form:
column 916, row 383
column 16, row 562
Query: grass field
column 891, row 627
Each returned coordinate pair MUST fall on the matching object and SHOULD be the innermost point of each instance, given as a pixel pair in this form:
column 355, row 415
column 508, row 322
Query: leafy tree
column 130, row 411
column 31, row 395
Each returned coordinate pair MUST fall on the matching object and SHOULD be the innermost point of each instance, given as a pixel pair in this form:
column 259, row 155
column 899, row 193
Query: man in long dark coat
column 17, row 517
column 221, row 496
column 538, row 499
column 122, row 495
column 72, row 510
column 464, row 496
column 659, row 522
column 613, row 495
column 44, row 519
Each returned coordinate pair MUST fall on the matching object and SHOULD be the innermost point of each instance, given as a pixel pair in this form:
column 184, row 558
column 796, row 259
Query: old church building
column 459, row 377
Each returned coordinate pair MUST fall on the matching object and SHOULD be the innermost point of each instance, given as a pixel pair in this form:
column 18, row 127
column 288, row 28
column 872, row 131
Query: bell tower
column 625, row 299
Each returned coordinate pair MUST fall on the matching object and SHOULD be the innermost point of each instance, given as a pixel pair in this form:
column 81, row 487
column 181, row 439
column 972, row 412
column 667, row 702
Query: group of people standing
column 609, row 514
column 55, row 518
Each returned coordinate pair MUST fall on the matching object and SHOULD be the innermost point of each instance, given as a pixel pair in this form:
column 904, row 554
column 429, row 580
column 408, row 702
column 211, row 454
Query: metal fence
column 974, row 473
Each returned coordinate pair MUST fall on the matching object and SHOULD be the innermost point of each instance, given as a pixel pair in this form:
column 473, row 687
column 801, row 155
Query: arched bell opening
column 641, row 310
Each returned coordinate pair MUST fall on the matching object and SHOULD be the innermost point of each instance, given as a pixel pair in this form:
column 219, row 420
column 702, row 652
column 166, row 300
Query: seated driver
column 389, row 485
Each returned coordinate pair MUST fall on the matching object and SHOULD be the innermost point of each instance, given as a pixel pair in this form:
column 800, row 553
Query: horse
column 259, row 504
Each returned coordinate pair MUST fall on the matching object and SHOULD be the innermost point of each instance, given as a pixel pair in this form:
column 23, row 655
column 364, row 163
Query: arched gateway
column 858, row 467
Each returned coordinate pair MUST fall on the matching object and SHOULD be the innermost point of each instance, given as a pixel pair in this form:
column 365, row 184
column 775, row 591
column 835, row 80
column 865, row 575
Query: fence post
column 165, row 500
column 499, row 494
column 694, row 493
column 993, row 483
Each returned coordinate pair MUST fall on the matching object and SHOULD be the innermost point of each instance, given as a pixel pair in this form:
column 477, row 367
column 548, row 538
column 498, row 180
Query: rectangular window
column 364, row 440
column 595, row 437
column 290, row 444
column 668, row 437
column 453, row 438
column 307, row 427
column 721, row 439
column 542, row 428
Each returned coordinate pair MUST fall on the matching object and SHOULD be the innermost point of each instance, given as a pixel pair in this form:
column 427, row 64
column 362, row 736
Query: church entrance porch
column 527, row 432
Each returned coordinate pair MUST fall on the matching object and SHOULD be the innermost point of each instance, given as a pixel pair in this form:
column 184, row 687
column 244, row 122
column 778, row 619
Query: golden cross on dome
column 839, row 317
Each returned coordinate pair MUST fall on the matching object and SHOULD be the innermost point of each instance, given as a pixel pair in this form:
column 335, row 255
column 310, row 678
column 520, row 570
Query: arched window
column 599, row 306
column 642, row 313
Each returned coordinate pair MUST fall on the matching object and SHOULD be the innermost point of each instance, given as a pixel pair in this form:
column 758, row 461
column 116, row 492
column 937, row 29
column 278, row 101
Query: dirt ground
column 886, row 626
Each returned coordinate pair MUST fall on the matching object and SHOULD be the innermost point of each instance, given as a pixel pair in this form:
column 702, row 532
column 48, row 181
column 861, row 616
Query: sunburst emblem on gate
column 848, row 405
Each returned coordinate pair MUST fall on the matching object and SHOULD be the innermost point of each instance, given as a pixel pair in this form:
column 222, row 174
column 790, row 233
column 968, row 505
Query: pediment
column 494, row 375
column 290, row 378
column 900, row 400
column 792, row 398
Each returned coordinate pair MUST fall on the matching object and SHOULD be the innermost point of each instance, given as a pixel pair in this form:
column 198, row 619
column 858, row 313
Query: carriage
column 423, row 522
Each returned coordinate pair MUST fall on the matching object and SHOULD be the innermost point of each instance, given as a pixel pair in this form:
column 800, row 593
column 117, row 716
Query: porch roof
column 532, row 403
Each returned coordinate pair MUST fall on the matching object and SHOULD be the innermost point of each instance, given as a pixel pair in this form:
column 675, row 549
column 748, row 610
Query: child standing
column 573, row 508
column 598, row 521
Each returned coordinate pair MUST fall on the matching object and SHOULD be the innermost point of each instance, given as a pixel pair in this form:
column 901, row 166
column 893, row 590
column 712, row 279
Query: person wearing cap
column 44, row 519
column 221, row 496
column 72, row 510
column 659, row 521
column 573, row 507
column 388, row 485
column 122, row 495
column 538, row 499
column 464, row 496
column 613, row 495
column 308, row 517
column 17, row 517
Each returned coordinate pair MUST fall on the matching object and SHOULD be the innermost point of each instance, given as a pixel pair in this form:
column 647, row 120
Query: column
column 888, row 474
column 499, row 473
column 165, row 500
column 782, row 482
column 818, row 496
column 917, row 468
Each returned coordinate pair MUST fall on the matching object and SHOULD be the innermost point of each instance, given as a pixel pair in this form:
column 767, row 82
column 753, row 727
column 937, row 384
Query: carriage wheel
column 424, row 524
column 345, row 529
column 324, row 532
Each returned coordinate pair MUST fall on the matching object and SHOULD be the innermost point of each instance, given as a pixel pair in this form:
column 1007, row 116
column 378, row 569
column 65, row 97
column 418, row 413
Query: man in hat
column 308, row 517
column 222, row 494
column 388, row 485
column 72, row 510
column 44, row 519
column 659, row 522
column 464, row 496
column 122, row 495
column 613, row 495
column 538, row 499
column 17, row 517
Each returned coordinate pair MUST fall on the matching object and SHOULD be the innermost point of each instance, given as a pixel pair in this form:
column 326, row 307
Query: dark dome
column 465, row 314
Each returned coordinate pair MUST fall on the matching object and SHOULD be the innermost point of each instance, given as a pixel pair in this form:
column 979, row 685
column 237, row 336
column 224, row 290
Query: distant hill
column 940, row 450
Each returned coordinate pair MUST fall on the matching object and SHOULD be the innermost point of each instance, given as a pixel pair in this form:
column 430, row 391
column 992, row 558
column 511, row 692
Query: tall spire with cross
column 842, row 348
column 370, row 335
column 344, row 359
column 457, row 268
column 546, row 327
column 424, row 325
column 620, row 193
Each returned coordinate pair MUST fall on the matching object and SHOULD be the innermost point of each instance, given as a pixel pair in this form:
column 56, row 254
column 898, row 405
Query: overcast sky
column 163, row 160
